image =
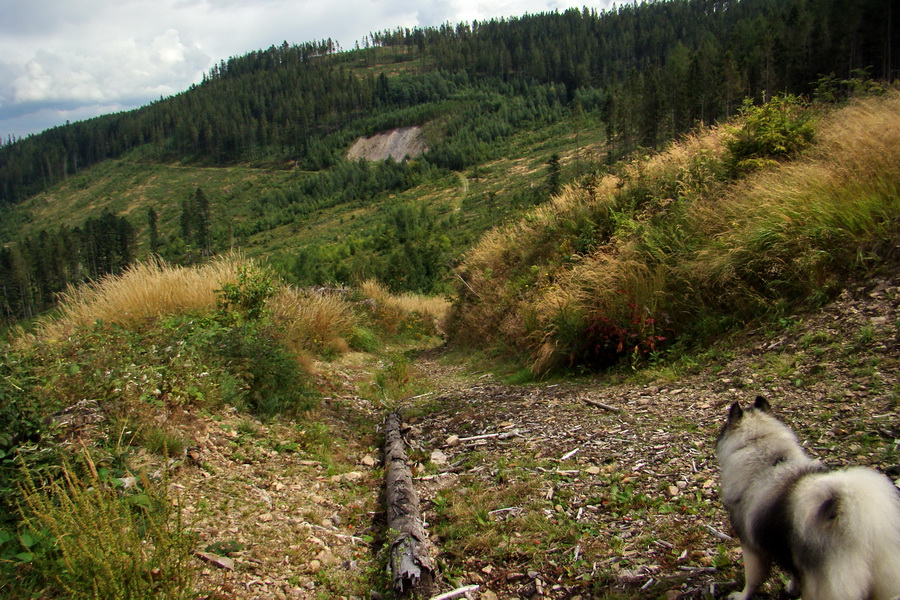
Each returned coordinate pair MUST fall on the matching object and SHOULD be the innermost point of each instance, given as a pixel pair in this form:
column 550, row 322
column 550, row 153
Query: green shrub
column 271, row 379
column 22, row 424
column 363, row 339
column 777, row 129
column 247, row 297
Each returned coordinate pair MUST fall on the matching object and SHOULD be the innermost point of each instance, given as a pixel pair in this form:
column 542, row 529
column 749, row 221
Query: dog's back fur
column 847, row 530
column 838, row 532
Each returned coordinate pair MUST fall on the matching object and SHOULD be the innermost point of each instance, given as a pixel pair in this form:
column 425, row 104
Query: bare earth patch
column 286, row 509
column 398, row 144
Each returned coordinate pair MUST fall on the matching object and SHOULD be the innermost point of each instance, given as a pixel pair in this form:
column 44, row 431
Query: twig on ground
column 343, row 536
column 697, row 569
column 455, row 593
column 478, row 437
column 718, row 534
column 601, row 405
column 570, row 454
column 417, row 397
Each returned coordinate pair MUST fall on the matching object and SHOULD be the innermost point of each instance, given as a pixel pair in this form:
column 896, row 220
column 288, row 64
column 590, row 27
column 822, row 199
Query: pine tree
column 152, row 229
column 554, row 175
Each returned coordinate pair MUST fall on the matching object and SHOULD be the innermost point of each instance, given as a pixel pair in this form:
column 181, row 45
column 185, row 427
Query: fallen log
column 411, row 567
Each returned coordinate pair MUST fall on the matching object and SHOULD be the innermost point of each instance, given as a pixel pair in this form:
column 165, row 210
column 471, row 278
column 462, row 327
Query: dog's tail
column 847, row 530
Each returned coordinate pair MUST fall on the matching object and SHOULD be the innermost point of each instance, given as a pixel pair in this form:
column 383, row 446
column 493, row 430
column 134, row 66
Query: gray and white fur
column 837, row 533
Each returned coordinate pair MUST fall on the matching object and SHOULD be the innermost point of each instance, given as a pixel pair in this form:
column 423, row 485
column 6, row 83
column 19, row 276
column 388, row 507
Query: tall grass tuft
column 145, row 290
column 313, row 322
column 415, row 311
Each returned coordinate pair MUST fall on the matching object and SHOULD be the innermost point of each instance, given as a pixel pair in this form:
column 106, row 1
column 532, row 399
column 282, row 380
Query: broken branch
column 601, row 405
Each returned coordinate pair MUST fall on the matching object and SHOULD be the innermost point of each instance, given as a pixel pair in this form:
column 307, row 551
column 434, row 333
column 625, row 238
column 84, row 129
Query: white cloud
column 88, row 55
column 120, row 68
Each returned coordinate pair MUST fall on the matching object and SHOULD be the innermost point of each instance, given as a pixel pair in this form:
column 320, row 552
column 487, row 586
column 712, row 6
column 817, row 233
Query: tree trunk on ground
column 411, row 566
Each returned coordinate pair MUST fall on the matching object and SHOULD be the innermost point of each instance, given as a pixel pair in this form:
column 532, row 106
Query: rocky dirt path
column 288, row 509
column 590, row 488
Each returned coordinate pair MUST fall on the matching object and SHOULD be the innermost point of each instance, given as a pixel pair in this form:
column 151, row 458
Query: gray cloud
column 72, row 59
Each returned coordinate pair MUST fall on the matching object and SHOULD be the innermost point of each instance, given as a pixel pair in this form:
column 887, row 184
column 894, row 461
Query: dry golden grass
column 795, row 221
column 495, row 288
column 313, row 322
column 392, row 309
column 505, row 247
column 861, row 139
column 679, row 163
column 145, row 290
column 616, row 287
column 559, row 277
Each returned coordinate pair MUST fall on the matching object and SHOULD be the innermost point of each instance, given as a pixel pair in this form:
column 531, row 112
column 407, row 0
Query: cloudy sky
column 74, row 59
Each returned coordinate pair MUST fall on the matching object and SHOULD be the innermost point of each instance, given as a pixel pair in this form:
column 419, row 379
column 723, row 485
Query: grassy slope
column 678, row 244
column 149, row 366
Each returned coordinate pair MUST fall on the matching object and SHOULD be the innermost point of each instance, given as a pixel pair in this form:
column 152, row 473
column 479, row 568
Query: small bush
column 605, row 341
column 270, row 379
column 775, row 130
column 246, row 297
column 363, row 339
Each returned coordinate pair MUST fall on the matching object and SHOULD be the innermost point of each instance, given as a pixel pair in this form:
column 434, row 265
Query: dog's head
column 736, row 414
column 756, row 428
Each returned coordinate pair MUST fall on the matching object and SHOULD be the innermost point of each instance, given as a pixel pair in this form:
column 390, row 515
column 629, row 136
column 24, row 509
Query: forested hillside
column 655, row 68
column 645, row 72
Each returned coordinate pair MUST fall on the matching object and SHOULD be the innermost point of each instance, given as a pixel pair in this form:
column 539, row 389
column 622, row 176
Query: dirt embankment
column 398, row 143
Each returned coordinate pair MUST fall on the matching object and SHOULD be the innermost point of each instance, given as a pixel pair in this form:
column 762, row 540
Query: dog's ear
column 735, row 414
column 761, row 404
